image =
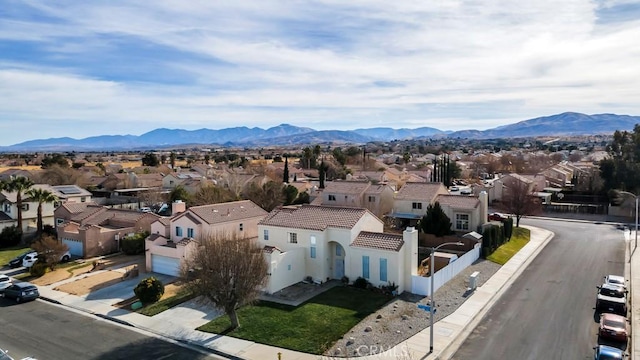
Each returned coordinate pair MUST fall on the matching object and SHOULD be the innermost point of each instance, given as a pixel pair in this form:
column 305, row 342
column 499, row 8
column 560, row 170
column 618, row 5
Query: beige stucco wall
column 156, row 248
column 285, row 269
column 322, row 266
column 406, row 207
column 249, row 228
column 394, row 265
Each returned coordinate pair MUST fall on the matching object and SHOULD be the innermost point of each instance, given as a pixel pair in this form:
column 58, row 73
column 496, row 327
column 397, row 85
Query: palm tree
column 20, row 185
column 41, row 196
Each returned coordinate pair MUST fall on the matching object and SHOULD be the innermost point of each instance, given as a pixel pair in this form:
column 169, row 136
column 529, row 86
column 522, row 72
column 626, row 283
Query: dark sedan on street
column 20, row 292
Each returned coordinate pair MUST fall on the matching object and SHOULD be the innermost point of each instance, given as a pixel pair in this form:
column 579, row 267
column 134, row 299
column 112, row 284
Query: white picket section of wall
column 422, row 285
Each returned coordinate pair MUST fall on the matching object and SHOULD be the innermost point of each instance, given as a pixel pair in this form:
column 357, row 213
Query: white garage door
column 75, row 247
column 165, row 265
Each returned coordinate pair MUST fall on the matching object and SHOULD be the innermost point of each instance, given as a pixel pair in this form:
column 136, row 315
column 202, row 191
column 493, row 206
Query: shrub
column 134, row 245
column 361, row 283
column 345, row 280
column 38, row 269
column 389, row 289
column 10, row 236
column 149, row 290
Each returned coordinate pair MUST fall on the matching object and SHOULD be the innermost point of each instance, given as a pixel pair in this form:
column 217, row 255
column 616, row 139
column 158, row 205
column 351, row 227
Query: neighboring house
column 170, row 181
column 376, row 198
column 69, row 193
column 534, row 183
column 411, row 201
column 9, row 173
column 172, row 239
column 467, row 213
column 97, row 230
column 324, row 242
column 65, row 193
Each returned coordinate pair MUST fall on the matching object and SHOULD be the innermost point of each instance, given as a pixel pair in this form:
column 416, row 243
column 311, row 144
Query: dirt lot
column 86, row 284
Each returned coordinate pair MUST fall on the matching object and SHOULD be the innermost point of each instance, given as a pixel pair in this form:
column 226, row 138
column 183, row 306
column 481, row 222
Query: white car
column 615, row 280
column 32, row 257
column 5, row 282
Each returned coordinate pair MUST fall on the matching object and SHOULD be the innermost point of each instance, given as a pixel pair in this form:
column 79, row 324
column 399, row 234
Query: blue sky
column 85, row 68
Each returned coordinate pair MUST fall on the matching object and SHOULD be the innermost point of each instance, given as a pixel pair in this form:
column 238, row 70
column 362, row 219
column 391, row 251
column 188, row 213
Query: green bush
column 361, row 283
column 38, row 269
column 134, row 245
column 10, row 236
column 508, row 228
column 149, row 290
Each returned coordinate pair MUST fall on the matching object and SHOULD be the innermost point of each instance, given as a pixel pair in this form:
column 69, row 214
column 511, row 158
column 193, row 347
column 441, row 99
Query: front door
column 339, row 269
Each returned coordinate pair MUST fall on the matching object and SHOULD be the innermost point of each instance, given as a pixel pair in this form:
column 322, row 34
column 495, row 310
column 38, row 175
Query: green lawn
column 311, row 327
column 519, row 238
column 9, row 253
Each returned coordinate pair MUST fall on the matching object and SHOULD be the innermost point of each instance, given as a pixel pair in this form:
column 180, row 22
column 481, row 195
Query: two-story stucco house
column 90, row 230
column 172, row 239
column 411, row 201
column 376, row 198
column 325, row 242
column 9, row 205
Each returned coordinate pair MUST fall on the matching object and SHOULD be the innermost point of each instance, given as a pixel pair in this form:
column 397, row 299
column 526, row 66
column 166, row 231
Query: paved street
column 548, row 313
column 50, row 332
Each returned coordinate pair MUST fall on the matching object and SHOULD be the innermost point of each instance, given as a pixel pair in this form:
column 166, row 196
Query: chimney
column 410, row 249
column 484, row 207
column 178, row 207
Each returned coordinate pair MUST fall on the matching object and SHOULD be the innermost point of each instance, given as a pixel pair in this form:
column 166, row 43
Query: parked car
column 465, row 192
column 5, row 282
column 17, row 261
column 21, row 291
column 613, row 327
column 605, row 352
column 4, row 355
column 612, row 299
column 454, row 188
column 497, row 217
column 615, row 280
column 32, row 257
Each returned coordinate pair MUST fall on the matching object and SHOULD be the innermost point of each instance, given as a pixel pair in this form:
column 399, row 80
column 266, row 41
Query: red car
column 497, row 217
column 613, row 327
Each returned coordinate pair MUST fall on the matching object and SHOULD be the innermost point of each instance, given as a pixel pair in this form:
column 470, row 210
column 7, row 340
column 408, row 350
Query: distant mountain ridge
column 565, row 124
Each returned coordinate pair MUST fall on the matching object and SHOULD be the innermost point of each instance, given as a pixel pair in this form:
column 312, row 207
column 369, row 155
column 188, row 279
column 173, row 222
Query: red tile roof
column 380, row 241
column 313, row 217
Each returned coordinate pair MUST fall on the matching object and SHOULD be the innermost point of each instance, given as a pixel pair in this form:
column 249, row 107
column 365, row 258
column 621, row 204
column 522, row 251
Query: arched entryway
column 337, row 260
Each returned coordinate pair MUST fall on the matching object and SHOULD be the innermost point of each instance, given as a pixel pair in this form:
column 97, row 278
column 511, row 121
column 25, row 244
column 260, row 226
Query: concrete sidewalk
column 179, row 323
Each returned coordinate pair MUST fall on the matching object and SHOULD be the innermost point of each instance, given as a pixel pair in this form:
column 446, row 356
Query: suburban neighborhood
column 389, row 240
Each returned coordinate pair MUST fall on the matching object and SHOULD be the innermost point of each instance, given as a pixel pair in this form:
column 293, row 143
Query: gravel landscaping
column 401, row 318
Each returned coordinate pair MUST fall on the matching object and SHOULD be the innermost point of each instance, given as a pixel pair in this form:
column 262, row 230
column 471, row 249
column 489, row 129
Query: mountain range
column 565, row 124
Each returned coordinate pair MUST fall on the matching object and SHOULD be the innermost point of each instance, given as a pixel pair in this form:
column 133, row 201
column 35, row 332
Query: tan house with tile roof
column 171, row 241
column 326, row 242
column 466, row 213
column 376, row 198
column 97, row 230
column 411, row 201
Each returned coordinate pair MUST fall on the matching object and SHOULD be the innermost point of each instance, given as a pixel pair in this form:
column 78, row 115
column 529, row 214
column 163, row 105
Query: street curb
column 185, row 342
column 452, row 348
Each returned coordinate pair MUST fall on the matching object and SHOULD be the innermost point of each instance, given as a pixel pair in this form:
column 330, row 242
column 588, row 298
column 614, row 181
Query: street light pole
column 432, row 267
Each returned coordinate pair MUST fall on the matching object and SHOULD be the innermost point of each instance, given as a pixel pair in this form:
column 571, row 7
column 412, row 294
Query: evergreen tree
column 285, row 175
column 435, row 221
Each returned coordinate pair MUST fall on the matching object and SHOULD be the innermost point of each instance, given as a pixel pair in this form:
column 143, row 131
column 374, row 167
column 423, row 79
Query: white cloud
column 451, row 65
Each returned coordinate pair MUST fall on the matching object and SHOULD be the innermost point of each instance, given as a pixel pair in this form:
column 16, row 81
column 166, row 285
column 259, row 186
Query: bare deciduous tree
column 519, row 200
column 227, row 270
column 50, row 250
